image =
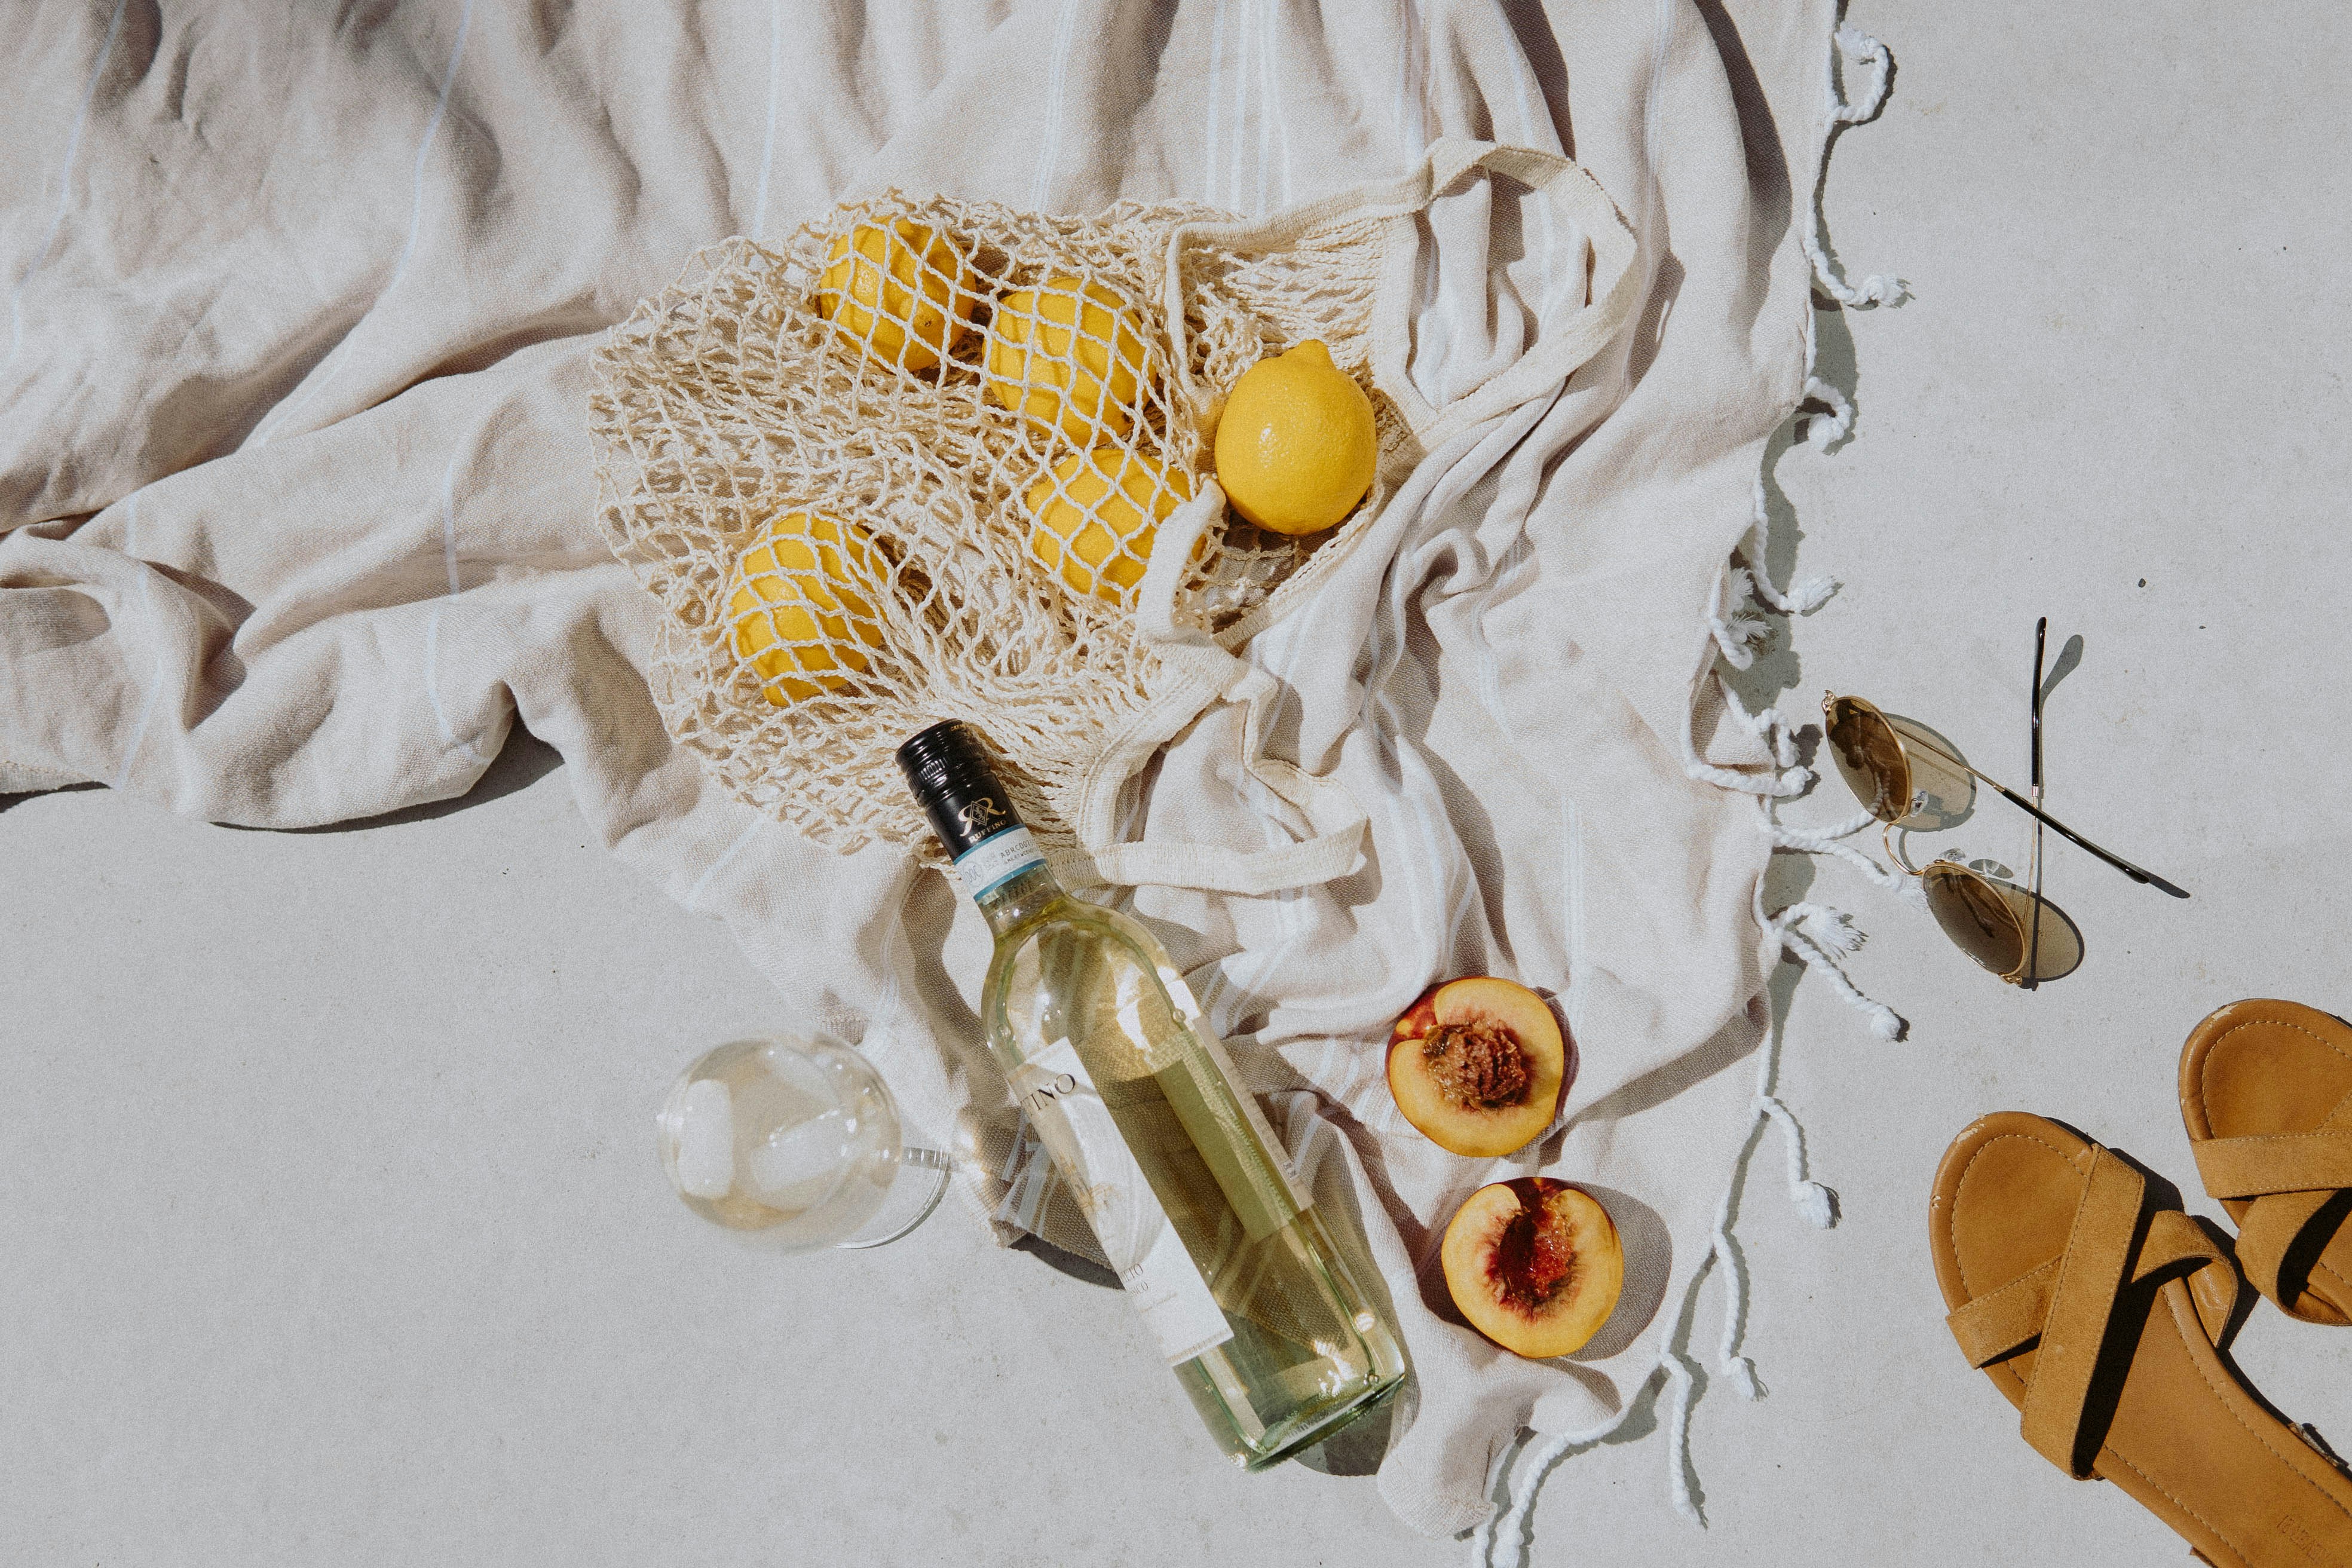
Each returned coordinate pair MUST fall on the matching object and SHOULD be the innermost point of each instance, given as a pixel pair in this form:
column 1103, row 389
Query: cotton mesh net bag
column 932, row 459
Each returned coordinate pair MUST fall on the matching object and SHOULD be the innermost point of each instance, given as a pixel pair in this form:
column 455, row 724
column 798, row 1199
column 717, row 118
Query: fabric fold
column 296, row 520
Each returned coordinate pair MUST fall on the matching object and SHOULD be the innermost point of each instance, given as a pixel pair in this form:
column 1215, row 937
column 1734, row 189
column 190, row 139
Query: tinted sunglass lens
column 2059, row 950
column 1869, row 758
column 1975, row 917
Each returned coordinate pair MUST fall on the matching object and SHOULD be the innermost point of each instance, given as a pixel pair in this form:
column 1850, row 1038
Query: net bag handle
column 1197, row 669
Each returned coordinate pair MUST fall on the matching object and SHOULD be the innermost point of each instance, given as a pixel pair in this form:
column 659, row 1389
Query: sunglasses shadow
column 1946, row 794
column 2059, row 950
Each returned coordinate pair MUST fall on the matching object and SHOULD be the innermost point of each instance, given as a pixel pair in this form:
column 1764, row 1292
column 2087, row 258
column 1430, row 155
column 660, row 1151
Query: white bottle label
column 991, row 860
column 1161, row 1279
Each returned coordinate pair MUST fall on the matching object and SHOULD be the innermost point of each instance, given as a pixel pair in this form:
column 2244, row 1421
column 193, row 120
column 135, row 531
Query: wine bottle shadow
column 1357, row 1448
column 1084, row 1269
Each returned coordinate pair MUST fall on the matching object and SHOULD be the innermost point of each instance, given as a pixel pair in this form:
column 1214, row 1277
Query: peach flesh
column 1533, row 1258
column 1479, row 1065
column 1535, row 1265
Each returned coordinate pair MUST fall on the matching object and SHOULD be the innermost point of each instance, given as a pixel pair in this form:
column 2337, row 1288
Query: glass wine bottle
column 1134, row 1098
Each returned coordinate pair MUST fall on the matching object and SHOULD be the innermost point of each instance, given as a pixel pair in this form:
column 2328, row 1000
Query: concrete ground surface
column 332, row 1228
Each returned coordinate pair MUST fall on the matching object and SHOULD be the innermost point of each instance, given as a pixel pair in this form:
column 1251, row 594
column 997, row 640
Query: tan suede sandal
column 2097, row 1308
column 2267, row 1092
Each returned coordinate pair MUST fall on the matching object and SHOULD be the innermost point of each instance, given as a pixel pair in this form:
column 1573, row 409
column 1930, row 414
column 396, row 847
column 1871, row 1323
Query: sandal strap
column 2270, row 1228
column 2097, row 1261
column 2063, row 1306
column 2002, row 1323
column 2264, row 1164
column 2289, row 1176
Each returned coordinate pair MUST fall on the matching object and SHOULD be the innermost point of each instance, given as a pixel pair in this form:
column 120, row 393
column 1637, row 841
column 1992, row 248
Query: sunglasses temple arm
column 2059, row 828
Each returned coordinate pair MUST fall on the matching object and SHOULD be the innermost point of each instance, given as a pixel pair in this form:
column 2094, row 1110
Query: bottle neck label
column 997, row 859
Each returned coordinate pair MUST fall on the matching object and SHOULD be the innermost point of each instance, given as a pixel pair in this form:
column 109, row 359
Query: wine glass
column 794, row 1142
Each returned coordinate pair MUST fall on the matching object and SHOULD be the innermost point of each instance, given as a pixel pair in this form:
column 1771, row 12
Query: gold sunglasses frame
column 1877, row 762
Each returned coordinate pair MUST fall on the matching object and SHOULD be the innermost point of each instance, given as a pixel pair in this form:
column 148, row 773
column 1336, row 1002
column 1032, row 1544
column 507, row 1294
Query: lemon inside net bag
column 912, row 465
column 933, row 458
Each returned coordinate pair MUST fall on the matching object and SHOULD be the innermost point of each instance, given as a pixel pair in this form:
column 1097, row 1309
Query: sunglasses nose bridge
column 1896, row 852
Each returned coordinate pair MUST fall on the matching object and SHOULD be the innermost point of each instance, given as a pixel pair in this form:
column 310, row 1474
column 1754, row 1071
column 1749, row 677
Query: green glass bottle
column 1133, row 1096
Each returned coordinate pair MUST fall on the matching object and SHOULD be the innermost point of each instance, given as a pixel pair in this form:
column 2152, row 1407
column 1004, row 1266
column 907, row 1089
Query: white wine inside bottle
column 1133, row 1096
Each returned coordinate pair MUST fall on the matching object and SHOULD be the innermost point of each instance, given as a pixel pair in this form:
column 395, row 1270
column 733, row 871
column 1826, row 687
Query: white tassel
column 1814, row 1201
column 1834, row 929
column 1732, row 634
column 1803, row 598
column 1510, row 1521
column 1732, row 641
column 1682, row 1391
column 1737, row 629
column 1857, row 44
column 1824, row 841
column 1726, row 1256
column 1817, row 1203
column 1843, row 829
column 1874, row 290
column 1805, row 928
column 1537, row 1465
column 1797, row 838
column 1781, row 785
column 1489, row 1530
column 1884, row 1021
column 1769, row 725
column 1822, row 429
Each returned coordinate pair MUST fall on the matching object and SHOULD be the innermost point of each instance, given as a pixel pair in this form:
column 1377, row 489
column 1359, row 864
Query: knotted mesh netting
column 911, row 465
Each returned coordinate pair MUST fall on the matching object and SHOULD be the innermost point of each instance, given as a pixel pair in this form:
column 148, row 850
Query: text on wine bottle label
column 1163, row 1282
column 993, row 860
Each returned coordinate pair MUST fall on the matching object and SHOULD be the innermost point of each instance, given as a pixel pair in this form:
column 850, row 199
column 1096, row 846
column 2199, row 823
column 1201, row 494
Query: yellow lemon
column 803, row 609
column 1296, row 450
column 1082, row 381
column 1095, row 516
column 901, row 290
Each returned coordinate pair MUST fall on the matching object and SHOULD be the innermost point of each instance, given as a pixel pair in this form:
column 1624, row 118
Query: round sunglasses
column 1909, row 778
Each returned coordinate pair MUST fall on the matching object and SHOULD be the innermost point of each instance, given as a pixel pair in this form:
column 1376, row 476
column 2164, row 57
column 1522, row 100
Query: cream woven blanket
column 297, row 519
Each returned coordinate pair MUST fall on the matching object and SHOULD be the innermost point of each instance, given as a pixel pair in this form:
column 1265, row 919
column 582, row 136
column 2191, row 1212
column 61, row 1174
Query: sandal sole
column 2271, row 1067
column 2178, row 1431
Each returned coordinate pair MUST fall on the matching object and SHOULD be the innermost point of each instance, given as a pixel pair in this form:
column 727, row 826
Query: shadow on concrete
column 521, row 762
column 8, row 801
column 1086, row 1270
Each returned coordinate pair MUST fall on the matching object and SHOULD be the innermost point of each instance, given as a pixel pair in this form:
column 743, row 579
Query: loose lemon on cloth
column 1066, row 355
column 803, row 605
column 1296, row 450
column 900, row 289
column 1095, row 516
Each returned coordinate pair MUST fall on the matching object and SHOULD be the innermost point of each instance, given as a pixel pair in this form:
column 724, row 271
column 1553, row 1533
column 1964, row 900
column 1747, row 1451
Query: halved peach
column 1478, row 1065
column 1535, row 1264
column 1420, row 1018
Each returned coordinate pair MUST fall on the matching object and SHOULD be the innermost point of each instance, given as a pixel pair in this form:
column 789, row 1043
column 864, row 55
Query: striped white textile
column 296, row 519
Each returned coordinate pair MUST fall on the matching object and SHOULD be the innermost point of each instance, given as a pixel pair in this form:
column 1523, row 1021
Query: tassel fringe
column 1850, row 43
column 1809, row 932
column 1803, row 598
